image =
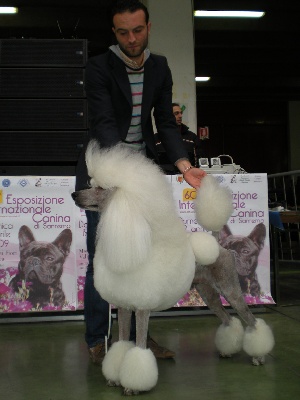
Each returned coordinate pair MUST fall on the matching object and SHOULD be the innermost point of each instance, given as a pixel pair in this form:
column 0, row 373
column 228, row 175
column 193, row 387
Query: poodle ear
column 127, row 241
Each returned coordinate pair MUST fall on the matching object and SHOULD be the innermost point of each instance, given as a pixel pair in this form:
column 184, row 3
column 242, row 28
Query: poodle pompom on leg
column 113, row 360
column 229, row 338
column 213, row 205
column 205, row 247
column 138, row 371
column 258, row 341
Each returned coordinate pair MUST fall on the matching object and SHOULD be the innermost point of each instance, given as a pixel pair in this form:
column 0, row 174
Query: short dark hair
column 175, row 104
column 121, row 6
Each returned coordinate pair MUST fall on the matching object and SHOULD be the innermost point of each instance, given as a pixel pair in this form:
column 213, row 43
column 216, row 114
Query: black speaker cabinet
column 43, row 109
column 43, row 53
column 42, row 83
column 42, row 147
column 23, row 114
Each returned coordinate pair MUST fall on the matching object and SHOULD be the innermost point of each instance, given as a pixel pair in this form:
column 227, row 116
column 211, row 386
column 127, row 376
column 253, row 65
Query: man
column 123, row 86
column 190, row 139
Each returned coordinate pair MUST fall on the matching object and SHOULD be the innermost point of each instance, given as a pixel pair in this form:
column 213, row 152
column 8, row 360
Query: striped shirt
column 134, row 138
column 136, row 79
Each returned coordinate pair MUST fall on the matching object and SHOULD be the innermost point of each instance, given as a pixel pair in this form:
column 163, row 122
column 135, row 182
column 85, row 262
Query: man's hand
column 194, row 176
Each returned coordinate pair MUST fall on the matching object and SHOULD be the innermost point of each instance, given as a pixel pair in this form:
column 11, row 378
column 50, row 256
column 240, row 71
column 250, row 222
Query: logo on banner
column 6, row 183
column 189, row 194
column 23, row 182
column 38, row 183
column 179, row 178
column 1, row 197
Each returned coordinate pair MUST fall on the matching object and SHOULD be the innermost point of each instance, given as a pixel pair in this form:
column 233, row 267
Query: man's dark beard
column 135, row 55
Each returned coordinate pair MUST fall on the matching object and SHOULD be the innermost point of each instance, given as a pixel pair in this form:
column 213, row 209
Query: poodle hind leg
column 229, row 335
column 139, row 370
column 258, row 341
column 114, row 358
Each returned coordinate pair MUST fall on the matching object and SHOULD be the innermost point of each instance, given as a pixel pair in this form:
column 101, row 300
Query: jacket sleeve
column 102, row 120
column 198, row 147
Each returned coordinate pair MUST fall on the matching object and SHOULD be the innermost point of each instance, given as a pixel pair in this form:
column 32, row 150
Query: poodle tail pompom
column 205, row 247
column 213, row 204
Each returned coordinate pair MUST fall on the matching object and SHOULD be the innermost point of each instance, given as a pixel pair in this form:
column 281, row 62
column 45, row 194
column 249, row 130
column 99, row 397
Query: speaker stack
column 43, row 109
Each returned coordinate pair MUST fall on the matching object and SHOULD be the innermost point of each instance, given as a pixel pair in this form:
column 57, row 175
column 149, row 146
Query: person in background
column 190, row 139
column 123, row 86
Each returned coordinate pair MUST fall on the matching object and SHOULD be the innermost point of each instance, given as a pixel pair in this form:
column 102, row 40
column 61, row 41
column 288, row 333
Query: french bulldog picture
column 246, row 250
column 41, row 267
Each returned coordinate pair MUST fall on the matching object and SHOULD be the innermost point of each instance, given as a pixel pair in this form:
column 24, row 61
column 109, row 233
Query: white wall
column 172, row 35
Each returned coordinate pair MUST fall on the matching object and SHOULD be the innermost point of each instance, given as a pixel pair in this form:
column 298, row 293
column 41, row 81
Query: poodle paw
column 111, row 383
column 139, row 371
column 130, row 392
column 258, row 341
column 258, row 360
column 229, row 338
column 113, row 361
column 223, row 355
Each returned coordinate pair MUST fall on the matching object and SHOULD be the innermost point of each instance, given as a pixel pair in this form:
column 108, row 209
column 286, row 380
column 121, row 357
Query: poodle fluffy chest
column 158, row 282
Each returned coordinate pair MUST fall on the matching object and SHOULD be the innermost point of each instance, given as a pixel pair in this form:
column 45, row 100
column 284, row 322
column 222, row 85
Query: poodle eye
column 92, row 182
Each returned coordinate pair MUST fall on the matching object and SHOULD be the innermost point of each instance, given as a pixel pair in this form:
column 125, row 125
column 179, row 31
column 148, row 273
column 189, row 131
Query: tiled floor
column 49, row 361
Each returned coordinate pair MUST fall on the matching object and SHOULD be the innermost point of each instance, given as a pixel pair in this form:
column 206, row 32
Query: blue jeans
column 96, row 309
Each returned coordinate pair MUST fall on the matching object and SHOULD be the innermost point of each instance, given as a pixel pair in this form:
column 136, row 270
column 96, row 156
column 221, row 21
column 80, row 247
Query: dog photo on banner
column 245, row 236
column 37, row 257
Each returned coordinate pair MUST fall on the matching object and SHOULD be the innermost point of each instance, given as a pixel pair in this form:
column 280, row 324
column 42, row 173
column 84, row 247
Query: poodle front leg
column 114, row 359
column 139, row 370
column 124, row 320
column 142, row 323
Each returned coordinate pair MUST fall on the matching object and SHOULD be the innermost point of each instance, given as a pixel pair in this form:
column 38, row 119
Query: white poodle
column 144, row 258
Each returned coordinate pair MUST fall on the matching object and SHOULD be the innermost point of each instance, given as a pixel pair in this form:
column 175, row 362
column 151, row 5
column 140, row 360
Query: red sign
column 203, row 132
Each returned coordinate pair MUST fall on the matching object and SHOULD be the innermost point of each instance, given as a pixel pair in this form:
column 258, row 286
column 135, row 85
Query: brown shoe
column 97, row 353
column 159, row 351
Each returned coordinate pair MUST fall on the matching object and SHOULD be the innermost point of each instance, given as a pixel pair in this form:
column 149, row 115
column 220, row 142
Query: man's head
column 131, row 26
column 177, row 113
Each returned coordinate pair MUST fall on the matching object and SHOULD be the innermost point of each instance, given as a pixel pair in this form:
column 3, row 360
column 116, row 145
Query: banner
column 37, row 244
column 250, row 219
column 43, row 256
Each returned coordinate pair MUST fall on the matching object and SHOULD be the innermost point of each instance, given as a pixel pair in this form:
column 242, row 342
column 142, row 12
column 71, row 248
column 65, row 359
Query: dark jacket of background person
column 193, row 147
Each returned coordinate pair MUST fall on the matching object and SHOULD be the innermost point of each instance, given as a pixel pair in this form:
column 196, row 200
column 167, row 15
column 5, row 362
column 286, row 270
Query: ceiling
column 246, row 59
